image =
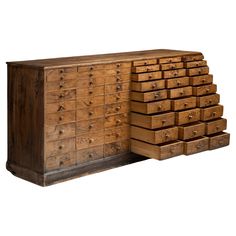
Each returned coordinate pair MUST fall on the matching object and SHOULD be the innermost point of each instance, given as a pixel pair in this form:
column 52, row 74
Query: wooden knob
column 118, row 108
column 90, row 126
column 61, row 131
column 199, row 72
column 210, row 101
column 208, row 90
column 203, row 80
column 163, row 122
column 91, row 140
column 90, row 155
column 61, row 147
column 214, row 113
column 117, row 97
column 145, row 63
column 118, row 121
column 61, row 163
column 91, row 113
column 190, row 117
column 90, row 74
column 150, row 76
column 61, row 85
column 118, row 147
column 175, row 74
column 118, row 65
column 118, row 87
column 61, row 118
column 61, row 96
column 90, row 82
column 118, row 72
column 159, row 107
column 156, row 95
column 90, row 68
column 186, row 104
column 62, row 77
column 90, row 102
column 154, row 85
column 90, row 92
column 194, row 132
column 172, row 67
column 217, row 127
column 178, row 83
column 61, row 108
column 61, row 71
column 197, row 64
column 181, row 93
column 167, row 136
column 118, row 79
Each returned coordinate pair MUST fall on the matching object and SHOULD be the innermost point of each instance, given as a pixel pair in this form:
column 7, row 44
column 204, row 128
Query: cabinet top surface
column 102, row 58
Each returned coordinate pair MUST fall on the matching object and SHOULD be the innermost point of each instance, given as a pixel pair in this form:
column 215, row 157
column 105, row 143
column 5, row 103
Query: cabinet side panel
column 26, row 118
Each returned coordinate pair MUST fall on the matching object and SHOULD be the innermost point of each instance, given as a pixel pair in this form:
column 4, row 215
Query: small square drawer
column 60, row 107
column 115, row 88
column 200, row 80
column 218, row 140
column 178, row 82
column 150, row 107
column 174, row 73
column 63, row 95
column 198, row 71
column 204, row 90
column 89, row 102
column 188, row 116
column 216, row 126
column 172, row 66
column 147, row 86
column 116, row 133
column 197, row 57
column 112, row 109
column 60, row 118
column 169, row 60
column 146, row 76
column 208, row 100
column 159, row 152
column 89, row 154
column 145, row 62
column 116, row 120
column 66, row 73
column 190, row 131
column 116, row 148
column 183, row 103
column 90, row 91
column 180, row 92
column 196, row 145
column 211, row 113
column 149, row 96
column 89, row 113
column 192, row 64
column 92, row 125
column 61, row 85
column 117, row 97
column 154, row 136
column 143, row 69
column 153, row 121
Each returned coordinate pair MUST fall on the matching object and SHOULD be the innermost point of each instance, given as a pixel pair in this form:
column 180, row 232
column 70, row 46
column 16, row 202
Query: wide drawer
column 58, row 96
column 196, row 145
column 116, row 133
column 148, row 86
column 198, row 71
column 180, row 92
column 149, row 96
column 216, row 126
column 89, row 154
column 200, row 80
column 116, row 120
column 60, row 107
column 192, row 64
column 159, row 152
column 197, row 57
column 218, row 140
column 116, row 148
column 145, row 62
column 208, row 100
column 178, row 82
column 60, row 118
column 117, row 97
column 188, row 116
column 146, row 76
column 116, row 108
column 143, row 69
column 169, row 60
column 204, row 90
column 211, row 113
column 190, row 131
column 118, row 87
column 172, row 66
column 183, row 103
column 90, row 113
column 153, row 121
column 92, row 125
column 174, row 73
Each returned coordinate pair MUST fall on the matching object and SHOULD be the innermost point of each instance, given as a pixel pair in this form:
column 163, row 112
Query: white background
column 184, row 196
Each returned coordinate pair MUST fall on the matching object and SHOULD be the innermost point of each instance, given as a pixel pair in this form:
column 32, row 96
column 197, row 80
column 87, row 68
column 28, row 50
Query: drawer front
column 90, row 113
column 208, row 100
column 89, row 140
column 196, row 145
column 154, row 121
column 216, row 126
column 183, row 103
column 185, row 117
column 171, row 150
column 60, row 161
column 148, row 86
column 60, row 107
column 151, row 107
column 145, row 62
column 193, row 57
column 87, row 102
column 178, row 82
column 198, row 71
column 112, row 109
column 116, row 148
column 59, row 147
column 91, row 126
column 180, row 92
column 172, row 66
column 169, row 60
column 58, row 96
column 60, row 118
column 90, row 82
column 143, row 69
column 90, row 91
column 116, row 134
column 89, row 154
column 191, row 131
column 116, row 120
column 115, row 88
column 204, row 90
column 122, row 78
column 193, row 64
column 146, row 76
column 174, row 73
column 218, row 140
column 56, row 132
column 149, row 96
column 117, row 97
column 61, row 85
column 200, row 80
column 61, row 74
column 211, row 113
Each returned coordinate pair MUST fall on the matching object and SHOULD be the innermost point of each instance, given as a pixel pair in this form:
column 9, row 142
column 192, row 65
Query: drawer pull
column 118, row 148
column 90, row 83
column 91, row 113
column 154, row 85
column 117, row 97
column 61, row 71
column 90, row 74
column 61, row 118
column 61, row 95
column 145, row 63
column 217, row 127
column 178, row 83
column 150, row 76
column 210, row 101
column 118, row 121
column 61, row 108
column 185, row 104
column 190, row 117
column 197, row 64
column 118, row 65
column 62, row 77
column 90, row 102
column 118, row 108
column 91, row 140
column 208, row 90
column 169, row 60
column 61, row 163
column 214, row 113
column 167, row 136
column 90, row 68
column 163, row 122
column 156, row 95
column 175, row 74
column 118, row 87
column 117, row 135
column 90, row 155
column 203, row 80
column 199, row 72
column 61, row 85
column 172, row 67
column 118, row 79
column 90, row 126
column 195, row 132
column 118, row 72
column 159, row 108
column 90, row 92
column 61, row 131
column 181, row 93
column 61, row 147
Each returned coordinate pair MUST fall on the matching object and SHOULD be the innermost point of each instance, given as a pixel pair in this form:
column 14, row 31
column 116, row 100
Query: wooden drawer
column 196, row 145
column 143, row 69
column 204, row 90
column 190, row 131
column 151, row 107
column 145, row 62
column 55, row 132
column 60, row 118
column 115, row 88
column 116, row 133
column 154, row 136
column 218, row 140
column 188, row 116
column 59, row 147
column 89, row 140
column 147, row 76
column 61, row 85
column 89, row 154
column 208, row 100
column 153, row 121
column 60, row 161
column 89, row 113
column 112, row 109
column 178, row 82
column 90, row 91
column 169, row 60
column 90, row 83
column 180, row 92
column 116, row 148
column 61, row 74
column 211, row 113
column 149, row 96
column 60, row 107
column 192, row 64
column 193, row 57
column 122, row 78
column 116, row 120
column 89, row 102
column 200, row 80
column 91, row 125
column 117, row 97
column 172, row 66
column 183, row 103
column 174, row 73
column 198, row 71
column 216, row 126
column 58, row 96
column 159, row 152
column 148, row 86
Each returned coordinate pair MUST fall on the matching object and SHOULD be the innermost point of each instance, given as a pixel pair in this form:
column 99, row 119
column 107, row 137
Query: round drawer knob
column 156, row 95
column 62, row 77
column 117, row 97
column 145, row 63
column 197, row 64
column 159, row 107
column 90, row 92
column 214, row 113
column 61, row 71
column 90, row 155
column 61, row 163
column 208, row 90
column 185, row 104
column 61, row 85
column 118, row 79
column 163, row 122
column 118, row 121
column 90, row 126
column 194, row 132
column 150, row 76
column 118, row 65
column 91, row 140
column 90, row 74
column 199, row 72
column 61, row 118
column 190, row 117
column 210, row 101
column 175, row 74
column 90, row 82
column 91, row 113
column 61, row 131
column 178, row 83
column 154, row 85
column 118, row 72
column 167, row 136
column 217, row 127
column 61, row 108
column 118, row 108
column 203, row 80
column 61, row 96
column 181, row 93
column 90, row 102
column 118, row 87
column 61, row 147
column 90, row 68
column 172, row 67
